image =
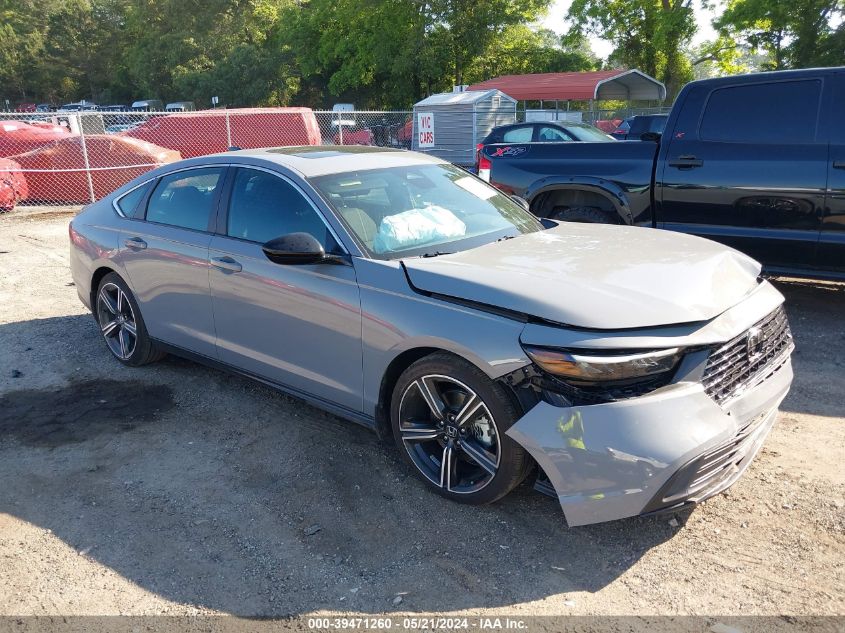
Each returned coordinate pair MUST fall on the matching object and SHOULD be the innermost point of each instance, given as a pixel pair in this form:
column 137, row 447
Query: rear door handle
column 135, row 242
column 226, row 263
column 686, row 162
column 839, row 164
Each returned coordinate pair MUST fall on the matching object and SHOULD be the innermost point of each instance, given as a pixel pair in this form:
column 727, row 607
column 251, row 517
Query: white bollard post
column 85, row 160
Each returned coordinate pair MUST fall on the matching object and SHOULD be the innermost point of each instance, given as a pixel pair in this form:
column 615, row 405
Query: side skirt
column 340, row 411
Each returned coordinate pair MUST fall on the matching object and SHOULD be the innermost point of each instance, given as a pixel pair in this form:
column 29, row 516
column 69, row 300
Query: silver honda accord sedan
column 626, row 370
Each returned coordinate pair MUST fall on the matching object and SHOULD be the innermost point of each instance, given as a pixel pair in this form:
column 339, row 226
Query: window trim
column 222, row 225
column 215, row 204
column 748, row 84
column 115, row 201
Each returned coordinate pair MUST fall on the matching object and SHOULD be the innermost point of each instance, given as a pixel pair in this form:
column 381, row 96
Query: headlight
column 596, row 367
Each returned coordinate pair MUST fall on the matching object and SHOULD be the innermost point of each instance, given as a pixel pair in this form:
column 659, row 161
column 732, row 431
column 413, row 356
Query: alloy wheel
column 117, row 320
column 449, row 433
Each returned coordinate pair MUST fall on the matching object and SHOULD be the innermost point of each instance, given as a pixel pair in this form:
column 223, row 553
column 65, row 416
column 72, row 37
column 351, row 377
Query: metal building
column 451, row 124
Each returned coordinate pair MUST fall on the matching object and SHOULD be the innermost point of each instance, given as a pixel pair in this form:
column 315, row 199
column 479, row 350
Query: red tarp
column 17, row 137
column 204, row 132
column 13, row 186
column 113, row 160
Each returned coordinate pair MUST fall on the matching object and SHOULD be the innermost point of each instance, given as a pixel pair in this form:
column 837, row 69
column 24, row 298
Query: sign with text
column 425, row 129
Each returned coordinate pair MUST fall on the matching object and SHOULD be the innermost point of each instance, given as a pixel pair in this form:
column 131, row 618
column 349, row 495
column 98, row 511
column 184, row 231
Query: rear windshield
column 422, row 210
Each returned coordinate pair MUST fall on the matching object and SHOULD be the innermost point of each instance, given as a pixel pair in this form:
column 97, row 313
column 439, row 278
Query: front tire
column 449, row 422
column 121, row 324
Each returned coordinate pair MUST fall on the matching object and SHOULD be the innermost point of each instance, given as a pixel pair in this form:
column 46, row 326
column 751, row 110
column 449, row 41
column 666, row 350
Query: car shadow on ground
column 211, row 490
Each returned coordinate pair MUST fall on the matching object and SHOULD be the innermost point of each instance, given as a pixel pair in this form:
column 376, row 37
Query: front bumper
column 664, row 450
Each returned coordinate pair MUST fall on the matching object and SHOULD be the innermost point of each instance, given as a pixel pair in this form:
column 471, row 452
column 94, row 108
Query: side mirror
column 654, row 137
column 521, row 202
column 294, row 248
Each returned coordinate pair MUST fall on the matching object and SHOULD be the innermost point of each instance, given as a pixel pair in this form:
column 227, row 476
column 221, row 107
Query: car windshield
column 422, row 210
column 587, row 133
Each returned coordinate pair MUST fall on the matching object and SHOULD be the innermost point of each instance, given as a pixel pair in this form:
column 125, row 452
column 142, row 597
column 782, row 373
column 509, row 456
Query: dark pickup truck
column 755, row 161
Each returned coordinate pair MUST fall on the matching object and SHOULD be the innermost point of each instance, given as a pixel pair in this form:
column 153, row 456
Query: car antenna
column 233, row 148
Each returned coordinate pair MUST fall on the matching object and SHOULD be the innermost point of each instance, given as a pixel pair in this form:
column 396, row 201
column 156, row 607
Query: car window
column 129, row 202
column 185, row 199
column 779, row 112
column 588, row 133
column 407, row 211
column 518, row 134
column 264, row 206
column 552, row 135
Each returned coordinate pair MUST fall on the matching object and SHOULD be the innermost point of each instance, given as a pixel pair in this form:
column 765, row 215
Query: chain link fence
column 73, row 158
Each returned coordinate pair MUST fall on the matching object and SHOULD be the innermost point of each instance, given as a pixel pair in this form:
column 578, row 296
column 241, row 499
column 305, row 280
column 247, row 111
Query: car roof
column 562, row 124
column 319, row 160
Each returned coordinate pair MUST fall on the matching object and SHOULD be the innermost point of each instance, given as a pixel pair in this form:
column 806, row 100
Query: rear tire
column 121, row 325
column 449, row 422
column 592, row 215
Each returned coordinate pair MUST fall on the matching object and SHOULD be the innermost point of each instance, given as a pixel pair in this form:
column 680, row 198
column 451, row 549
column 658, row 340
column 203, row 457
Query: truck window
column 779, row 112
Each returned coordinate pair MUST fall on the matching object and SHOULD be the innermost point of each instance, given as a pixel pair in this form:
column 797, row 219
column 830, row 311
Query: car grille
column 737, row 366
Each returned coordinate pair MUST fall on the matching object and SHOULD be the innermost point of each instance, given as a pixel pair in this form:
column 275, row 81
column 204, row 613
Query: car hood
column 595, row 276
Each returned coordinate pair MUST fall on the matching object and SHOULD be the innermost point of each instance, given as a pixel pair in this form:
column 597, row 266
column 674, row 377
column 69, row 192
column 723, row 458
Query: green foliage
column 394, row 52
column 522, row 49
column 793, row 34
column 649, row 35
column 379, row 53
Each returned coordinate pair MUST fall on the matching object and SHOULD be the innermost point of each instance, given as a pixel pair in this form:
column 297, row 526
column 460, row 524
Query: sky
column 555, row 20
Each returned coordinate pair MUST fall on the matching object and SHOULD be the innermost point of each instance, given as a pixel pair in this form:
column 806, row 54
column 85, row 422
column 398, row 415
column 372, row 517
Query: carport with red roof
column 628, row 85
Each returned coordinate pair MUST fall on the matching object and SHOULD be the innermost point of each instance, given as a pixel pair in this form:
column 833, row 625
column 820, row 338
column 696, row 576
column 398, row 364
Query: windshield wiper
column 435, row 254
column 506, row 237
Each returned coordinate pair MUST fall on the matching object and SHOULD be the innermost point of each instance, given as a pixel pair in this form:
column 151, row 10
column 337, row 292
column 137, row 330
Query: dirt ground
column 177, row 489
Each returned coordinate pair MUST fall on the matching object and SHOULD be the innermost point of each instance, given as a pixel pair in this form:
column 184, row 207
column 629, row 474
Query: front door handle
column 135, row 242
column 839, row 164
column 686, row 162
column 227, row 264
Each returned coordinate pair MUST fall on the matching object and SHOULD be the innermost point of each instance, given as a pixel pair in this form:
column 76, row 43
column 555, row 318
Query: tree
column 375, row 55
column 465, row 28
column 82, row 47
column 649, row 35
column 523, row 49
column 193, row 49
column 22, row 36
column 794, row 34
column 390, row 53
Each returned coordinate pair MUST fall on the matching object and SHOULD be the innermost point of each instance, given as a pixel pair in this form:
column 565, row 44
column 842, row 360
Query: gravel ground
column 177, row 489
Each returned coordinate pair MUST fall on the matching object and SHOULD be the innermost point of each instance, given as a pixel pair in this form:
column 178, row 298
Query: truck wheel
column 593, row 215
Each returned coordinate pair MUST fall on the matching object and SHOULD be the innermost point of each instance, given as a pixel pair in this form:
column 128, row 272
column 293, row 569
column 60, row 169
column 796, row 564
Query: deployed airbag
column 416, row 227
